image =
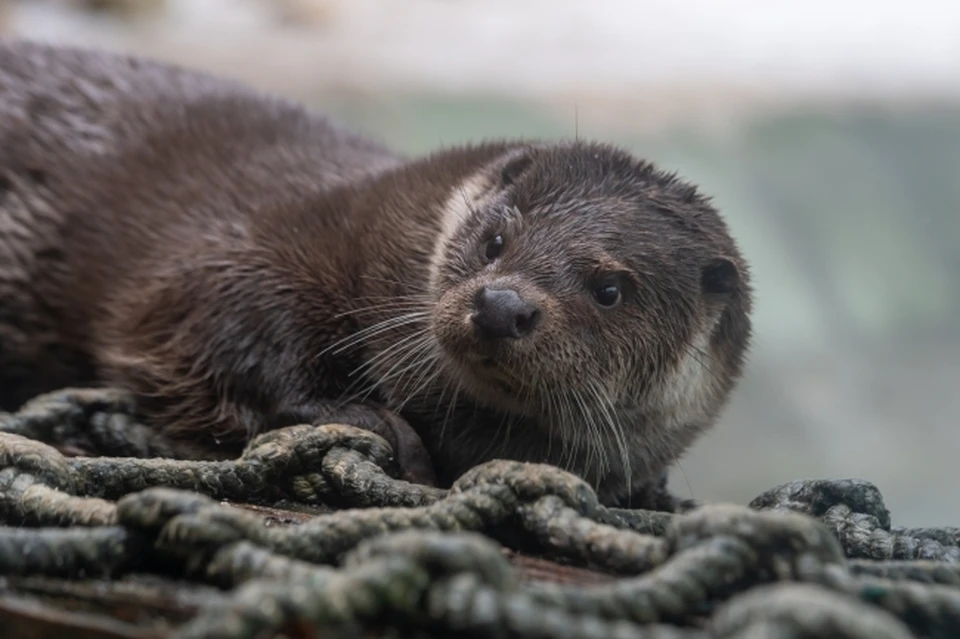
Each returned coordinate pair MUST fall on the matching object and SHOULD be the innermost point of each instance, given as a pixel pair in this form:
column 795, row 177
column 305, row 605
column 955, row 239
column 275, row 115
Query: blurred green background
column 828, row 133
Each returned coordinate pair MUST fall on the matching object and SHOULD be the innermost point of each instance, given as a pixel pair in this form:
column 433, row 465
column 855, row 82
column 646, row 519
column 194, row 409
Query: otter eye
column 493, row 248
column 607, row 295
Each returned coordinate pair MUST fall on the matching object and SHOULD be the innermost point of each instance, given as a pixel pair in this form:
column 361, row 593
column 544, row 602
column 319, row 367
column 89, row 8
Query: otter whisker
column 443, row 393
column 424, row 299
column 371, row 331
column 524, row 394
column 586, row 435
column 420, row 338
column 385, row 306
column 574, row 420
column 403, row 354
column 378, row 328
column 585, row 423
column 550, row 410
column 431, row 371
column 511, row 420
column 402, row 351
column 451, row 410
column 608, row 410
column 495, row 440
column 567, row 439
column 416, row 359
column 426, row 366
column 384, row 280
column 699, row 355
column 597, row 440
column 359, row 373
column 572, row 445
column 394, row 296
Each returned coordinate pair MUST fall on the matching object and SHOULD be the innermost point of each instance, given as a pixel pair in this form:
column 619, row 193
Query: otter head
column 595, row 295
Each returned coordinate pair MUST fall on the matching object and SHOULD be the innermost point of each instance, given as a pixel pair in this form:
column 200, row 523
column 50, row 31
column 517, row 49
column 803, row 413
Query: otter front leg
column 410, row 453
column 217, row 354
column 210, row 411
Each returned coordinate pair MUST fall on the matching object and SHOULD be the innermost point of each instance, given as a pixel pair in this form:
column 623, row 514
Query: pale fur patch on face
column 465, row 197
column 688, row 392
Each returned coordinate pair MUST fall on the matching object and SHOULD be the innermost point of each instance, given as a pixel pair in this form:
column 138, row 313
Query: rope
column 806, row 559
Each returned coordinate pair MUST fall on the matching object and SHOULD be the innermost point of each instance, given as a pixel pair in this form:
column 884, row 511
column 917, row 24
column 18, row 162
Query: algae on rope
column 814, row 558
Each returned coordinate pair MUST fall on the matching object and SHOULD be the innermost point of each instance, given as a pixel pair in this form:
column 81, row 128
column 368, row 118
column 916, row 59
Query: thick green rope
column 806, row 559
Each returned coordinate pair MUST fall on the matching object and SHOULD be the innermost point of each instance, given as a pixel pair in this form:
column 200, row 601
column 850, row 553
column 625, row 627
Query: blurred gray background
column 828, row 132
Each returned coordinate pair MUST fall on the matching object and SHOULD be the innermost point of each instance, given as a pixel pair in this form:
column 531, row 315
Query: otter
column 240, row 263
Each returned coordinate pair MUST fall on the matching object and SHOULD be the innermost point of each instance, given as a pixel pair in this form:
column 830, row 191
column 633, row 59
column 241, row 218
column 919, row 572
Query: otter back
column 108, row 160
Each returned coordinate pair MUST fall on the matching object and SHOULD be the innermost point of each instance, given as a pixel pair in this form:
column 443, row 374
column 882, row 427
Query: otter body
column 240, row 264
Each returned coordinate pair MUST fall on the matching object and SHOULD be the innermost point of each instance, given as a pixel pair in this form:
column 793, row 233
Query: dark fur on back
column 214, row 249
column 130, row 202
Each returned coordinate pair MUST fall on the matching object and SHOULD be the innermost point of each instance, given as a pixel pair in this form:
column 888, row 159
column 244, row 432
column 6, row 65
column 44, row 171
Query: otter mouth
column 487, row 368
column 487, row 378
column 495, row 374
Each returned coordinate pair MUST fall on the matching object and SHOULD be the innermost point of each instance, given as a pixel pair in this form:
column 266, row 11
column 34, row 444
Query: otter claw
column 409, row 452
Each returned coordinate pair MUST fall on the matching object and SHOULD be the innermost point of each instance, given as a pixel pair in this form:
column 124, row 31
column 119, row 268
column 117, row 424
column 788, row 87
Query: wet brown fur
column 213, row 249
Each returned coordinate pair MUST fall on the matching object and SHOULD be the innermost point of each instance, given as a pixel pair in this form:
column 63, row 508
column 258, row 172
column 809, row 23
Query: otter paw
column 411, row 455
column 413, row 461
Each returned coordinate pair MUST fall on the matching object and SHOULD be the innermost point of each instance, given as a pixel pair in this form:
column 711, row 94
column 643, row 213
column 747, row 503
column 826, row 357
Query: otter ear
column 719, row 277
column 514, row 166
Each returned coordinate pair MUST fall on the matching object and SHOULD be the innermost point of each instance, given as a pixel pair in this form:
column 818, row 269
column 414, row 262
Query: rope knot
column 530, row 482
column 783, row 540
column 44, row 462
column 301, row 449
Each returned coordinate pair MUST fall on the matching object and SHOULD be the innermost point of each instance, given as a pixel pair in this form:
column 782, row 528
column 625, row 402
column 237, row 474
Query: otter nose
column 503, row 313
